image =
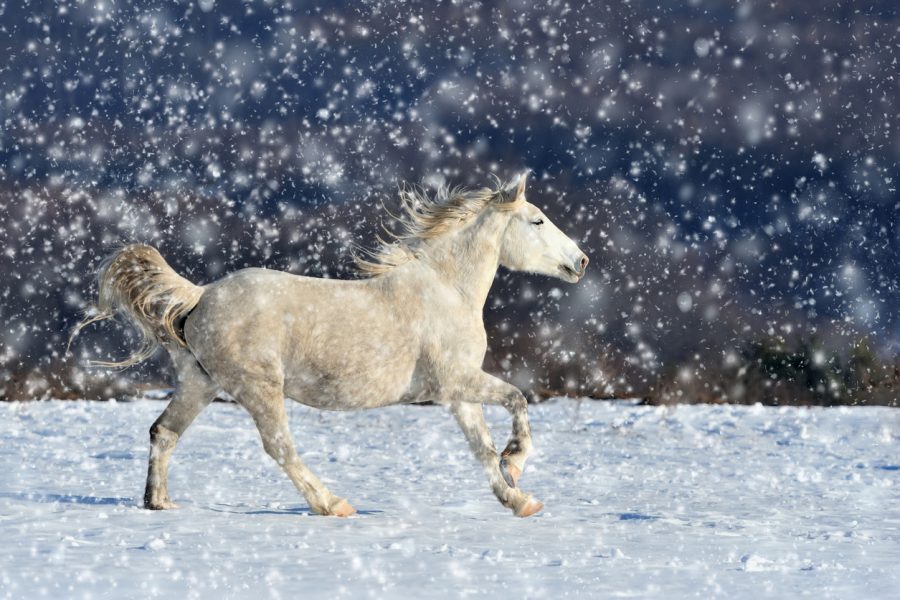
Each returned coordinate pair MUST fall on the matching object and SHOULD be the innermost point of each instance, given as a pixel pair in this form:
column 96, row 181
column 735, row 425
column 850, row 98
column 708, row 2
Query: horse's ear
column 520, row 189
column 514, row 190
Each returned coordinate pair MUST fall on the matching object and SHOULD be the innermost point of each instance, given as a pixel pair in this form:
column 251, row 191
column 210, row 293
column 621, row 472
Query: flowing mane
column 427, row 217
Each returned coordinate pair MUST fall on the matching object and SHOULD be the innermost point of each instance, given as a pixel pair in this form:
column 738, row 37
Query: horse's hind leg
column 195, row 391
column 470, row 417
column 265, row 403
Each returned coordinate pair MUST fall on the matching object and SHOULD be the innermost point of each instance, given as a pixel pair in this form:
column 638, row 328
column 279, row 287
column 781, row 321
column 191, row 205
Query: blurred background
column 730, row 168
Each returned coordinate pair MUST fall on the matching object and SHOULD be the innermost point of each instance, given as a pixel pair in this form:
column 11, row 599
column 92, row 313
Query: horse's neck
column 467, row 260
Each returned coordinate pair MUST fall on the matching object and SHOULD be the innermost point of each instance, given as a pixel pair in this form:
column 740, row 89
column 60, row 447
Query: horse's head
column 534, row 244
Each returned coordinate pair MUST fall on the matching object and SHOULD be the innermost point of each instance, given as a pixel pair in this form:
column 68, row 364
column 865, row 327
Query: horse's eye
column 538, row 222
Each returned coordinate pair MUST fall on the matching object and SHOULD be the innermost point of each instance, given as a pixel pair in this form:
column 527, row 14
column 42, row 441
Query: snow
column 738, row 153
column 702, row 501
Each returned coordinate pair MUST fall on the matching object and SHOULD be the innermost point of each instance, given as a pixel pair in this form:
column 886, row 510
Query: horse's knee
column 516, row 403
column 517, row 406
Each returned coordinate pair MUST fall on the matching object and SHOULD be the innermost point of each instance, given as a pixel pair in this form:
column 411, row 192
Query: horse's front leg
column 470, row 417
column 512, row 461
column 492, row 390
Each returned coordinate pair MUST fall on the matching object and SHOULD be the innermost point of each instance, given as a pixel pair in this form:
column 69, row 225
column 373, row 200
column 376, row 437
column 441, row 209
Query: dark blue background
column 678, row 142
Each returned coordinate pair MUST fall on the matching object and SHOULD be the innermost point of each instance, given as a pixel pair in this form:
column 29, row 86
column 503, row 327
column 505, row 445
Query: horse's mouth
column 571, row 274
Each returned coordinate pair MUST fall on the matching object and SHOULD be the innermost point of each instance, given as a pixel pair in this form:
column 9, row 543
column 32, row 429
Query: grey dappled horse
column 411, row 330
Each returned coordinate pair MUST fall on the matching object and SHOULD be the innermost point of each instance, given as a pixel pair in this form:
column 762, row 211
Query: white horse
column 411, row 330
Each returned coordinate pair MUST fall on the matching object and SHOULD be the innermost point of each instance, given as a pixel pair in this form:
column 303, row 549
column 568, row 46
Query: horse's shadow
column 633, row 516
column 43, row 498
column 297, row 510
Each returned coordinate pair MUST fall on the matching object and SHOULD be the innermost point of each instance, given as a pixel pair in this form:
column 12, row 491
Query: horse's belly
column 351, row 389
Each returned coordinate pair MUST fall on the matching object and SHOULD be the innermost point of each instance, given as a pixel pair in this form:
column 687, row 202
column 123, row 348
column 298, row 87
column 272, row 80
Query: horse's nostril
column 584, row 263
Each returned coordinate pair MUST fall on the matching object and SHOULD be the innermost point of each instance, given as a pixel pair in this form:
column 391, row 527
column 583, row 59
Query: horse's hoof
column 529, row 509
column 342, row 509
column 510, row 472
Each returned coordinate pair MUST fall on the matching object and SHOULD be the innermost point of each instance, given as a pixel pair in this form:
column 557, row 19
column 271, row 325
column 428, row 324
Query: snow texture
column 700, row 501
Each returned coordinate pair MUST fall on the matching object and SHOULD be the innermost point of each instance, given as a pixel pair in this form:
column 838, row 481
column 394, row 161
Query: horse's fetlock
column 517, row 449
column 525, row 446
column 319, row 509
column 512, row 498
column 514, row 447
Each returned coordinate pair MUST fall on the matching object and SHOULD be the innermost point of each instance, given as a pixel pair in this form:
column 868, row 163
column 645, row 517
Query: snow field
column 699, row 501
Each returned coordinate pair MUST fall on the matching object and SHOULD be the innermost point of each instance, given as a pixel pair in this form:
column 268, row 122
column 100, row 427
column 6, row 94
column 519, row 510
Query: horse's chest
column 460, row 345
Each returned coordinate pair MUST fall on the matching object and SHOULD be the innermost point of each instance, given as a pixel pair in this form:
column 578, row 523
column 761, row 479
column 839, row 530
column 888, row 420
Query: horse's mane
column 425, row 217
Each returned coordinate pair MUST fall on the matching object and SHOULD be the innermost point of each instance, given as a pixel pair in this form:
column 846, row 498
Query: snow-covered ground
column 699, row 501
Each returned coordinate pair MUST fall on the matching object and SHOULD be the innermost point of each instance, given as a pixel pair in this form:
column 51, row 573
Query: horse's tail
column 137, row 281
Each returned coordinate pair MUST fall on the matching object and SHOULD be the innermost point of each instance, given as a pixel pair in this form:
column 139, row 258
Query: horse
column 409, row 329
